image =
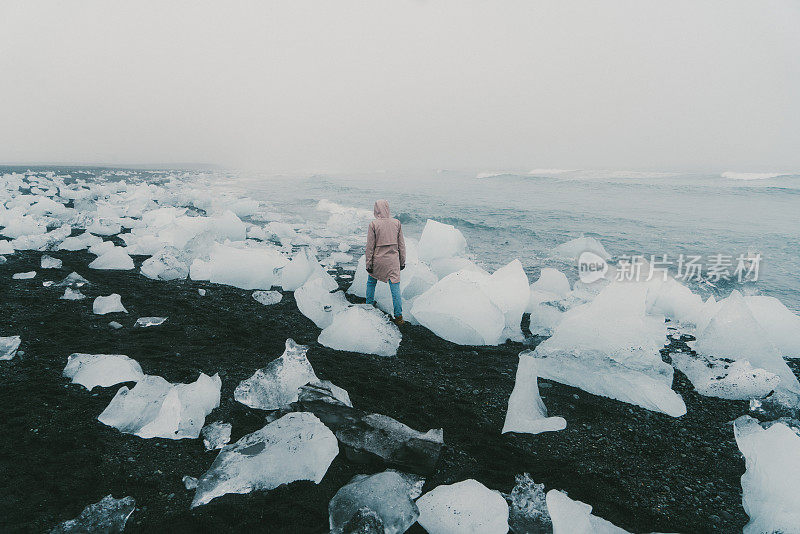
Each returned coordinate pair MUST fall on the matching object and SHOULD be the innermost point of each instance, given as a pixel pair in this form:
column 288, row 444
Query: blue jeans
column 394, row 287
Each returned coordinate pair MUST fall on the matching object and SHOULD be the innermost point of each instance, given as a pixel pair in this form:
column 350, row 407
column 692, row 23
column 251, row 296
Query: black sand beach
column 641, row 470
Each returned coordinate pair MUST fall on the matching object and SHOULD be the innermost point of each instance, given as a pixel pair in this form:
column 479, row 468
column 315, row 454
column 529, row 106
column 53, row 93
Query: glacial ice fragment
column 362, row 329
column 440, row 240
column 575, row 517
column 144, row 322
column 9, row 346
column 267, row 298
column 572, row 249
column 526, row 410
column 72, row 294
column 110, row 304
column 24, row 276
column 295, row 447
column 90, row 370
column 154, row 408
column 278, row 383
column 463, row 507
column 316, row 301
column 115, row 259
column 73, row 280
column 737, row 380
column 216, row 435
column 169, row 263
column 770, row 487
column 386, row 493
column 528, row 507
column 108, row 516
column 48, row 262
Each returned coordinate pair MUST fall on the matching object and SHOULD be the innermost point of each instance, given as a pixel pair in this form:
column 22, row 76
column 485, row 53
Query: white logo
column 591, row 267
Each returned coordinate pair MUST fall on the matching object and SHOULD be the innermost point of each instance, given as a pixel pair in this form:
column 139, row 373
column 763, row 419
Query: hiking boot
column 399, row 320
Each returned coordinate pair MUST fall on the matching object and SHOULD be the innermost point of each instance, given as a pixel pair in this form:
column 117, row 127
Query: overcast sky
column 401, row 84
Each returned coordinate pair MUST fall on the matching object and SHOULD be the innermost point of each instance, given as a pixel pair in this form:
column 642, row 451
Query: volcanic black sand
column 641, row 470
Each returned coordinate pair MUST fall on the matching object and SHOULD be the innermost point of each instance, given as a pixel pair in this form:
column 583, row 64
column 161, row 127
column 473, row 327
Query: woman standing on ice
column 385, row 256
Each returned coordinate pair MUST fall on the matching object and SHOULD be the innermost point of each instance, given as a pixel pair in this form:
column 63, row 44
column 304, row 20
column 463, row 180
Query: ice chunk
column 440, row 240
column 386, row 493
column 295, row 447
column 572, row 249
column 458, row 309
column 552, row 283
column 168, row 263
column 781, row 325
column 72, row 294
column 716, row 378
column 115, row 259
column 734, row 333
column 189, row 483
column 368, row 437
column 508, row 288
column 610, row 347
column 248, row 268
column 526, row 410
column 326, row 391
column 770, row 493
column 201, row 292
column 364, row 521
column 115, row 325
column 528, row 507
column 90, row 370
column 100, row 227
column 108, row 516
column 216, row 435
column 154, row 408
column 9, row 346
column 315, row 301
column 674, row 300
column 303, row 266
column 21, row 226
column 463, row 507
column 109, row 304
column 279, row 382
column 362, row 329
column 144, row 322
column 73, row 280
column 48, row 262
column 441, row 267
column 267, row 298
column 575, row 517
column 24, row 276
column 5, row 247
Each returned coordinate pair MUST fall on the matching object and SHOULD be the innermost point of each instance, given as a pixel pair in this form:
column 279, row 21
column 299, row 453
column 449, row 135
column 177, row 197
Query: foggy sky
column 363, row 85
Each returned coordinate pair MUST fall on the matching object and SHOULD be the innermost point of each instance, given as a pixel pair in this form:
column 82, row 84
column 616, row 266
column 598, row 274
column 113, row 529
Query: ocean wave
column 730, row 175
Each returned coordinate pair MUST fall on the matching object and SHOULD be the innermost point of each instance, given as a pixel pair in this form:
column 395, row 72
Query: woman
column 385, row 256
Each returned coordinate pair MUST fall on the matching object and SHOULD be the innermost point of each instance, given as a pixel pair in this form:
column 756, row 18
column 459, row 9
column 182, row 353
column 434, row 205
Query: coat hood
column 381, row 209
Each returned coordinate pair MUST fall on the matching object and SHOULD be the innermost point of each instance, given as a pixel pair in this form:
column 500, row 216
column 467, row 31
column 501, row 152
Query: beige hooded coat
column 386, row 249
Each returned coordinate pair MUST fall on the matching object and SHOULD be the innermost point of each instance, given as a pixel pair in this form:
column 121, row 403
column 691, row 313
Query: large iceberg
column 771, row 482
column 295, row 447
column 362, row 329
column 463, row 507
column 90, row 370
column 526, row 410
column 610, row 347
column 386, row 493
column 154, row 408
column 278, row 383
